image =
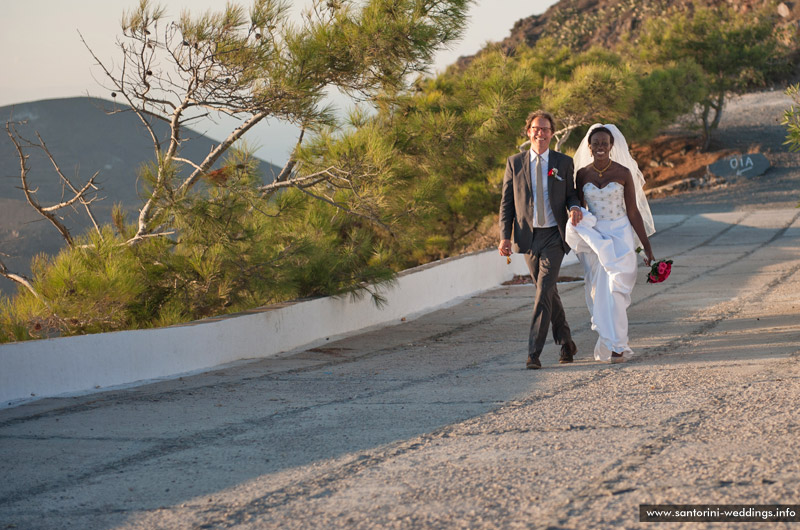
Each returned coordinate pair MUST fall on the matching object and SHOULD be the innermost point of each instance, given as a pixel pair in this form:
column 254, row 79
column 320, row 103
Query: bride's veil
column 620, row 154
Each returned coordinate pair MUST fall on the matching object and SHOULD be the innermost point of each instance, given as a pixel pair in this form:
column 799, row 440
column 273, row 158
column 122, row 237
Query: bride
column 616, row 219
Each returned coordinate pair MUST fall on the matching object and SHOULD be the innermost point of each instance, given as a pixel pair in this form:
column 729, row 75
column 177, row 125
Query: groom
column 538, row 188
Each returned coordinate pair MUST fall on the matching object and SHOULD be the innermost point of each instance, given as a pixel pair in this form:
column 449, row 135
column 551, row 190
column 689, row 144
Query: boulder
column 751, row 165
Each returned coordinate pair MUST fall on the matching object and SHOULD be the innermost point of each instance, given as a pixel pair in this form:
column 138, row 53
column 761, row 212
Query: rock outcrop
column 581, row 24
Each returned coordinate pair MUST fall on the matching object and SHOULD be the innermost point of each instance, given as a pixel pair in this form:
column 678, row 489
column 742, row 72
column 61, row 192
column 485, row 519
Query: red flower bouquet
column 659, row 271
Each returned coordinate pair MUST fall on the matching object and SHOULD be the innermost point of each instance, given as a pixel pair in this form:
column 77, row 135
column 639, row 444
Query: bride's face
column 600, row 145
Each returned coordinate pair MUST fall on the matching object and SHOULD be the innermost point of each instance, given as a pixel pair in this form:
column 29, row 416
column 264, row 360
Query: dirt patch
column 669, row 159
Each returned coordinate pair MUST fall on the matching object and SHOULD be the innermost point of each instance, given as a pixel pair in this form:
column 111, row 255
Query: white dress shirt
column 549, row 218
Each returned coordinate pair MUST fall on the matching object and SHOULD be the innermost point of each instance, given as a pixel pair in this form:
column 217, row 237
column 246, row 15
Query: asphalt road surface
column 436, row 423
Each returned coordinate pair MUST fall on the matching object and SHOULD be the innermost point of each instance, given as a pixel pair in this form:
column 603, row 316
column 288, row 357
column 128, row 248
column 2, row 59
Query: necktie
column 539, row 192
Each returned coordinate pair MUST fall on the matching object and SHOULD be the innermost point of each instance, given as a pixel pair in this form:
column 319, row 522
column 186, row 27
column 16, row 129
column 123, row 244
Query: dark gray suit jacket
column 516, row 205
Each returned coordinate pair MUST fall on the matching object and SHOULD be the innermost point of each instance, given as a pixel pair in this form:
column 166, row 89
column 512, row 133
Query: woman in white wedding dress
column 616, row 219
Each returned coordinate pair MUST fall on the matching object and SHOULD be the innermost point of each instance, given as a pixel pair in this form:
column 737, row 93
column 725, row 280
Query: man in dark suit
column 538, row 189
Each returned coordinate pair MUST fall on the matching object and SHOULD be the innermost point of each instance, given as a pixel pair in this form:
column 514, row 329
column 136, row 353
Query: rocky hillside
column 581, row 24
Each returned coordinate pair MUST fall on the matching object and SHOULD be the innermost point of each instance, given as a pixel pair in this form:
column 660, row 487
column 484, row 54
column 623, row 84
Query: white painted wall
column 69, row 365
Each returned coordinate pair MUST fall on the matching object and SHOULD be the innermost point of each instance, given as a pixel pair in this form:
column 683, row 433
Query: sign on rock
column 750, row 165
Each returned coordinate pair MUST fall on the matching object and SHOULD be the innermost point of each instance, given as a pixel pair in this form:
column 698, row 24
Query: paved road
column 435, row 423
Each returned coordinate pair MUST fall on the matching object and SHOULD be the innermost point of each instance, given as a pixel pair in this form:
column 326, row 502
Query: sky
column 43, row 56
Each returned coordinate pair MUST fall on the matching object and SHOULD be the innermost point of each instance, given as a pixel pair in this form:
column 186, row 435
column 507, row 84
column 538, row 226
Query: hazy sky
column 42, row 55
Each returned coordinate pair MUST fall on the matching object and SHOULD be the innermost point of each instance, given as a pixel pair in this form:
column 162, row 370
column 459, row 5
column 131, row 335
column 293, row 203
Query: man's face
column 540, row 134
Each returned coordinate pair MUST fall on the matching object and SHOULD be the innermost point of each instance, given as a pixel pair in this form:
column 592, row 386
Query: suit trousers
column 544, row 262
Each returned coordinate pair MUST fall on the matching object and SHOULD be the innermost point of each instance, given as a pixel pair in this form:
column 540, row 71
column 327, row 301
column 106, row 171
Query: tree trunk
column 718, row 110
column 706, row 126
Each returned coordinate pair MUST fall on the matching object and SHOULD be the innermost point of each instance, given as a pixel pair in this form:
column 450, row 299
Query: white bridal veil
column 620, row 154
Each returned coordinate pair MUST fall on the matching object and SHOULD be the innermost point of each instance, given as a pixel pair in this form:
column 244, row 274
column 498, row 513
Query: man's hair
column 539, row 114
column 599, row 130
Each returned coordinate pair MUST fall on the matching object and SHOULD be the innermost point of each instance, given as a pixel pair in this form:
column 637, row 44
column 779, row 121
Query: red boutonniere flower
column 659, row 271
column 554, row 173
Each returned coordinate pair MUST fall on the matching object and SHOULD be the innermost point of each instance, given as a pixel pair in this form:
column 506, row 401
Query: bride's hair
column 599, row 130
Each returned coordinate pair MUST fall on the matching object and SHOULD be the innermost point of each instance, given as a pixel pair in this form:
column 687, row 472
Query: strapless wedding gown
column 604, row 242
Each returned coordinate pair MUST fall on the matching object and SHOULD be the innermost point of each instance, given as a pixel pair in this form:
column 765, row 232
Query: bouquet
column 659, row 271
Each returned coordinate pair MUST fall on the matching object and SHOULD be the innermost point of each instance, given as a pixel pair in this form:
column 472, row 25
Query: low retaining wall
column 73, row 365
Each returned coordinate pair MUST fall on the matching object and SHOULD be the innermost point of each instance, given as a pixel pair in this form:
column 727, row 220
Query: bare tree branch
column 80, row 195
column 214, row 155
column 19, row 279
column 301, row 182
column 287, row 169
column 138, row 238
column 29, row 194
column 563, row 134
column 120, row 86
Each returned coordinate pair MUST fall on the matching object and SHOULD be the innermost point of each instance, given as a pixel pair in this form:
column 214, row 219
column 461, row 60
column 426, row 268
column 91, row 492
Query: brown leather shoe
column 617, row 357
column 568, row 352
column 533, row 363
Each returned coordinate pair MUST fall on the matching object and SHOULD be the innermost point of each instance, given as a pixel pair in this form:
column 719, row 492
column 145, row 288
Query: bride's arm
column 579, row 186
column 635, row 217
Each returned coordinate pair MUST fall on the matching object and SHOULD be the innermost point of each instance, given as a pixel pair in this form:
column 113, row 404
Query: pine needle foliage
column 791, row 118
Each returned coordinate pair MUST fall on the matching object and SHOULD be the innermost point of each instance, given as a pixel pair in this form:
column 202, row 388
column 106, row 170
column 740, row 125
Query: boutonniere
column 554, row 173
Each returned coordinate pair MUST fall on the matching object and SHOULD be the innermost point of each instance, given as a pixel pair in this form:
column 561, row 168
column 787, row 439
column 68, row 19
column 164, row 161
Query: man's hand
column 575, row 216
column 505, row 247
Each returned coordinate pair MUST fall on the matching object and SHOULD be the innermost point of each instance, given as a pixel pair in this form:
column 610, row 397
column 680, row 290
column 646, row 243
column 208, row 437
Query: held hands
column 575, row 216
